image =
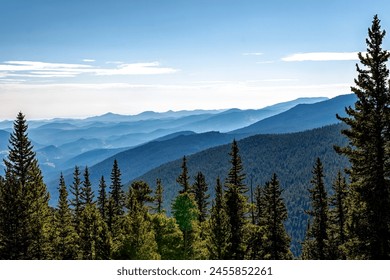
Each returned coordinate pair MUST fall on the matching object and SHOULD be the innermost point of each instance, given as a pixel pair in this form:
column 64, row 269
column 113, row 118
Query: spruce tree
column 236, row 205
column 86, row 193
column 219, row 226
column 368, row 151
column 158, row 197
column 75, row 201
column 116, row 198
column 337, row 217
column 24, row 213
column 199, row 190
column 102, row 200
column 65, row 245
column 184, row 178
column 277, row 246
column 317, row 234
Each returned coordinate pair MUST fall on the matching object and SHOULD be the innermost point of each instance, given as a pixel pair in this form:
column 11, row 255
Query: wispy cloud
column 37, row 69
column 88, row 60
column 321, row 56
column 253, row 53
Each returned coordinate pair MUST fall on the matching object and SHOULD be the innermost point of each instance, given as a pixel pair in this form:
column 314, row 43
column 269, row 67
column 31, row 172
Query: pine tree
column 368, row 152
column 139, row 195
column 75, row 201
column 274, row 216
column 337, row 217
column 236, row 205
column 86, row 193
column 24, row 213
column 199, row 189
column 116, row 199
column 317, row 234
column 102, row 201
column 158, row 197
column 184, row 178
column 218, row 223
column 65, row 245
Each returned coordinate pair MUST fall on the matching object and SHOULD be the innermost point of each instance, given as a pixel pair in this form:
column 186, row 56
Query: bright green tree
column 368, row 151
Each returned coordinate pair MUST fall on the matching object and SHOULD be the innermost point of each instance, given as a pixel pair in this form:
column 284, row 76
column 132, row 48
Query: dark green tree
column 317, row 241
column 24, row 211
column 158, row 197
column 102, row 200
column 75, row 202
column 184, row 178
column 86, row 193
column 199, row 190
column 277, row 245
column 116, row 198
column 236, row 205
column 368, row 152
column 65, row 245
column 337, row 217
column 219, row 226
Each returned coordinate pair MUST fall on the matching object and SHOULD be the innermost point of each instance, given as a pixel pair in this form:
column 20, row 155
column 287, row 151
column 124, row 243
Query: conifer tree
column 24, row 212
column 368, row 152
column 199, row 189
column 102, row 201
column 277, row 246
column 218, row 223
column 317, row 234
column 65, row 245
column 86, row 193
column 236, row 205
column 337, row 217
column 184, row 178
column 75, row 201
column 116, row 198
column 158, row 197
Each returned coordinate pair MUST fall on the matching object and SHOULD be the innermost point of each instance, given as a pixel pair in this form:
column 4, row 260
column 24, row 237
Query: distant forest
column 229, row 219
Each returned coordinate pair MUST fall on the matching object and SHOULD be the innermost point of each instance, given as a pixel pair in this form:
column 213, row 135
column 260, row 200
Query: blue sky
column 81, row 58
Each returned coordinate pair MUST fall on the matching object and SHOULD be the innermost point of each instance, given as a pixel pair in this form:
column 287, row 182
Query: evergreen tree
column 102, row 201
column 65, row 245
column 317, row 234
column 184, row 178
column 274, row 215
column 139, row 195
column 116, row 199
column 86, row 193
column 236, row 205
column 219, row 227
column 158, row 197
column 199, row 189
column 337, row 217
column 24, row 211
column 75, row 202
column 368, row 152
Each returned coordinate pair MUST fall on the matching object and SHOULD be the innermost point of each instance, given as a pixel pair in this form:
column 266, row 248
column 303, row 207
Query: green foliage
column 75, row 202
column 86, row 193
column 183, row 178
column 236, row 205
column 102, row 200
column 317, row 241
column 218, row 224
column 368, row 151
column 199, row 190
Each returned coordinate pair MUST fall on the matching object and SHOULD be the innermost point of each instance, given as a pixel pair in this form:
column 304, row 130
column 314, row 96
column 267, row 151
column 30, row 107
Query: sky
column 82, row 58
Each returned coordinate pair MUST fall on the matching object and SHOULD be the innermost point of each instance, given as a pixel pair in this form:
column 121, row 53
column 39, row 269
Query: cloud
column 88, row 60
column 37, row 69
column 149, row 68
column 253, row 53
column 321, row 56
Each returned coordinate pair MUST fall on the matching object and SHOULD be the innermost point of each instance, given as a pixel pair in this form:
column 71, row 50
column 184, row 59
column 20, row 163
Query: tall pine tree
column 236, row 205
column 199, row 189
column 368, row 152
